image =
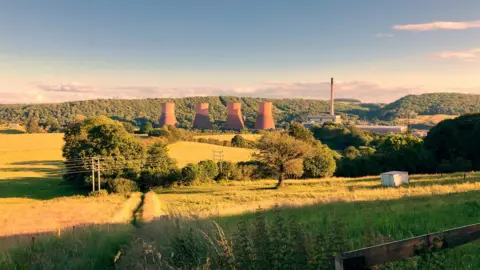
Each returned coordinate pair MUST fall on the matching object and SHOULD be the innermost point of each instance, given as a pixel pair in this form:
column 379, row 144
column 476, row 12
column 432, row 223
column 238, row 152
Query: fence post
column 59, row 232
column 33, row 241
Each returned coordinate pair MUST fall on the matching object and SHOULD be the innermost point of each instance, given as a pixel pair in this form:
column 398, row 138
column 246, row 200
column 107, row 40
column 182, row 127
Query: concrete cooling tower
column 265, row 116
column 167, row 118
column 202, row 118
column 234, row 116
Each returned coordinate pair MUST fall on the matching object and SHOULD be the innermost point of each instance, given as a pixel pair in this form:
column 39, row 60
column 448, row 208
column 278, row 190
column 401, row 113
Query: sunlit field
column 192, row 152
column 239, row 197
column 228, row 137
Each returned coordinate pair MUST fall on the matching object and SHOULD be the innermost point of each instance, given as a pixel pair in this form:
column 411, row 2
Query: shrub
column 189, row 174
column 239, row 141
column 208, row 170
column 227, row 171
column 294, row 169
column 158, row 178
column 121, row 186
column 98, row 193
column 321, row 163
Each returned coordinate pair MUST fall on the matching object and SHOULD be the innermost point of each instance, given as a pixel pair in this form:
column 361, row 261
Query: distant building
column 383, row 129
column 322, row 119
column 325, row 117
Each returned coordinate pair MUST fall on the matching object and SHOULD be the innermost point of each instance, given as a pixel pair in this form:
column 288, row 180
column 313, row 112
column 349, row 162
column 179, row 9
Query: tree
column 101, row 137
column 239, row 141
column 158, row 159
column 146, row 128
column 320, row 163
column 279, row 151
column 34, row 127
column 299, row 132
column 208, row 170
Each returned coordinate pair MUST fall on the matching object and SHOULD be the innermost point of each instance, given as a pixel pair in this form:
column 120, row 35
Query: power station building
column 202, row 117
column 265, row 116
column 234, row 116
column 167, row 117
column 321, row 119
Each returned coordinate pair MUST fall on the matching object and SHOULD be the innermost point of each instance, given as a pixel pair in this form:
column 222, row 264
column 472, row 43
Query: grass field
column 228, row 137
column 192, row 152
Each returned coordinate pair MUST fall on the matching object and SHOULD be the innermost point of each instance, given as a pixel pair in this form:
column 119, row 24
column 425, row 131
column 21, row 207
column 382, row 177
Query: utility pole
column 93, row 174
column 99, row 172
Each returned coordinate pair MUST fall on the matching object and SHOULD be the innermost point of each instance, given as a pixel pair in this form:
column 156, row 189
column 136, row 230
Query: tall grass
column 93, row 247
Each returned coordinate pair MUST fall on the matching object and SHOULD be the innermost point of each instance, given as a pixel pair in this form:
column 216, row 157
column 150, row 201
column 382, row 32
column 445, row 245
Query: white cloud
column 363, row 90
column 467, row 55
column 432, row 26
column 384, row 35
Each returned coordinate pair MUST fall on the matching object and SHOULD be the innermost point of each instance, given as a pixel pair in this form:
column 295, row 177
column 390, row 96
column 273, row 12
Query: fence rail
column 368, row 257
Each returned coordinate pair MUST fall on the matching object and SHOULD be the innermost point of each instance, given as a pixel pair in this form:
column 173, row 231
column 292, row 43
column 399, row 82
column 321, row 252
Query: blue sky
column 377, row 50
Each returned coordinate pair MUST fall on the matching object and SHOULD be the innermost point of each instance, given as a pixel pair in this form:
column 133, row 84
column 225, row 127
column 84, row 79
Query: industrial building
column 234, row 116
column 326, row 117
column 383, row 129
column 167, row 117
column 202, row 117
column 265, row 117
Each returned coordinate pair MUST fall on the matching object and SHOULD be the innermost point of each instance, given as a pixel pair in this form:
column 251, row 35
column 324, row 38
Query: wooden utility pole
column 99, row 172
column 93, row 174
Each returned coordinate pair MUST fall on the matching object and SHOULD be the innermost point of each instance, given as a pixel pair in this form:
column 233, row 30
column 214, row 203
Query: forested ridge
column 430, row 104
column 138, row 111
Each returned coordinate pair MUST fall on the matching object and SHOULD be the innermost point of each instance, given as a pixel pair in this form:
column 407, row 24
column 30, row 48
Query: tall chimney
column 202, row 118
column 234, row 116
column 167, row 118
column 265, row 117
column 332, row 107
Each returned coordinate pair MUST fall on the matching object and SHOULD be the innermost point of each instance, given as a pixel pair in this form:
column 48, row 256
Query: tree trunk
column 281, row 177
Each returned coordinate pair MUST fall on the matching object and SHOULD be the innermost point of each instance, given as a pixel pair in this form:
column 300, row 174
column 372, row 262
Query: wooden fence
column 366, row 258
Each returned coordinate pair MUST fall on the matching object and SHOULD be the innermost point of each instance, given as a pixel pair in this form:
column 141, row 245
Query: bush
column 208, row 170
column 158, row 178
column 294, row 169
column 239, row 141
column 320, row 164
column 189, row 174
column 227, row 171
column 98, row 193
column 121, row 186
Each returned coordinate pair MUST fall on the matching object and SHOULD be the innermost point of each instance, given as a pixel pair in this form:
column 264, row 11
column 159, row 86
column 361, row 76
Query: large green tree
column 105, row 140
column 279, row 151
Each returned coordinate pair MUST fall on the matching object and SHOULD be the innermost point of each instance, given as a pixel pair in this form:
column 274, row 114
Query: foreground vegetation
column 313, row 220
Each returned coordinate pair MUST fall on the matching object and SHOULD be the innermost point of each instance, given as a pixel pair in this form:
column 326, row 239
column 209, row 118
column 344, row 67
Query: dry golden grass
column 240, row 197
column 192, row 152
column 125, row 213
column 25, row 216
column 228, row 137
column 151, row 208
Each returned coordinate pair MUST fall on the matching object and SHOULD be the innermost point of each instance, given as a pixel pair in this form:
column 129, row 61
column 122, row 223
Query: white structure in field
column 394, row 178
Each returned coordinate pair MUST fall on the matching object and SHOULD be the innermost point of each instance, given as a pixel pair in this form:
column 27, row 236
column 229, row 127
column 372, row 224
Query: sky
column 377, row 50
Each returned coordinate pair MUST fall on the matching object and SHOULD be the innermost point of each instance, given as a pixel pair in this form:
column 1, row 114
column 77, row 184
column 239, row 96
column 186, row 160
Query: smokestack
column 265, row 117
column 234, row 116
column 332, row 107
column 202, row 118
column 167, row 118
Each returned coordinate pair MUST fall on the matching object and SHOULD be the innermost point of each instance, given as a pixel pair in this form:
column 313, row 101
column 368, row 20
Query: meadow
column 128, row 232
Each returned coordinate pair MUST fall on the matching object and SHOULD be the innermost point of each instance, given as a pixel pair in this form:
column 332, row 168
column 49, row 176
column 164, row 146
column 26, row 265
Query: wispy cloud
column 467, row 55
column 66, row 88
column 432, row 26
column 384, row 35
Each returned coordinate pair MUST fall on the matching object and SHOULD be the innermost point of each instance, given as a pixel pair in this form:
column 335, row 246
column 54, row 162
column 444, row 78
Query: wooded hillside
column 430, row 104
column 140, row 110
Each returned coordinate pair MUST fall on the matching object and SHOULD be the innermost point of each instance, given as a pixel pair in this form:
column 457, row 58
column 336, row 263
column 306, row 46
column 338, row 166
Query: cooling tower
column 167, row 118
column 234, row 116
column 265, row 117
column 202, row 118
